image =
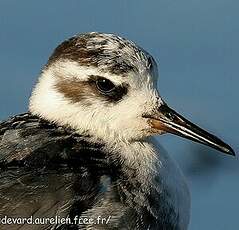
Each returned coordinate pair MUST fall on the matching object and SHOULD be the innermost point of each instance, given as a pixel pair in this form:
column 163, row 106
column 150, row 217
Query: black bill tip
column 228, row 150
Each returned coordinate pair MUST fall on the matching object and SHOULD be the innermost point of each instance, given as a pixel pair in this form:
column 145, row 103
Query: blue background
column 196, row 43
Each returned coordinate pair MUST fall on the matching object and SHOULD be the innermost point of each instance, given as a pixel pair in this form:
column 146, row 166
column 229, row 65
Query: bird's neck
column 139, row 156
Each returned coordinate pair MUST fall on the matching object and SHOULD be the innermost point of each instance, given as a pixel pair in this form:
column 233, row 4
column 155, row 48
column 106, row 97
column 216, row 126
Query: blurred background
column 196, row 43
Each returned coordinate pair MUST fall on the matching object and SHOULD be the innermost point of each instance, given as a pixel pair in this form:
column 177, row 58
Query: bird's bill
column 167, row 120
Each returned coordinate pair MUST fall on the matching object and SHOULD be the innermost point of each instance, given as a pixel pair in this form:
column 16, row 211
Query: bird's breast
column 151, row 187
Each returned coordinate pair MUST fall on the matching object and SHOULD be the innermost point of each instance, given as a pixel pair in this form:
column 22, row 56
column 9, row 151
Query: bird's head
column 105, row 86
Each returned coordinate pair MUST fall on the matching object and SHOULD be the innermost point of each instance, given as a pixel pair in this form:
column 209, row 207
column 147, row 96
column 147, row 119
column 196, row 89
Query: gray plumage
column 48, row 170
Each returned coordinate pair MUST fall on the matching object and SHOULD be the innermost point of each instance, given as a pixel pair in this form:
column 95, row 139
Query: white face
column 74, row 95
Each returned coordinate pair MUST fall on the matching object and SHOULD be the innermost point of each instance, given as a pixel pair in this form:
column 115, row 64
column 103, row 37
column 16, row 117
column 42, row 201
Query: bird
column 86, row 148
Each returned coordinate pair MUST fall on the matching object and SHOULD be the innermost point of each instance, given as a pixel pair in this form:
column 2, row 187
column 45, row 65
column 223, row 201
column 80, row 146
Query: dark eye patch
column 85, row 91
column 107, row 89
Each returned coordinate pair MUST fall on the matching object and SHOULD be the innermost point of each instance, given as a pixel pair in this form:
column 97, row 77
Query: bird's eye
column 104, row 85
